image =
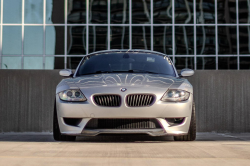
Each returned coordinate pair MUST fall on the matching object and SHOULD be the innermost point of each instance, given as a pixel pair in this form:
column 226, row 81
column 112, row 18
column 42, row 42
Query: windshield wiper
column 122, row 71
column 98, row 72
column 142, row 71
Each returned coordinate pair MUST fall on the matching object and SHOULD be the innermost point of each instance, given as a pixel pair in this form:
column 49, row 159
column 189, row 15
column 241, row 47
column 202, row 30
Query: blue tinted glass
column 12, row 40
column 33, row 40
column 11, row 62
column 12, row 11
column 33, row 63
column 33, row 12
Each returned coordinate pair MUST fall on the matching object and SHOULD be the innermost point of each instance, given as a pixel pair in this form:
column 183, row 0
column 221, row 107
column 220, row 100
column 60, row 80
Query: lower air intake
column 122, row 124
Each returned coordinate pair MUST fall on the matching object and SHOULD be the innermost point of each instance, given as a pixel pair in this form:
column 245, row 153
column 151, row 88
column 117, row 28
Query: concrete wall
column 27, row 97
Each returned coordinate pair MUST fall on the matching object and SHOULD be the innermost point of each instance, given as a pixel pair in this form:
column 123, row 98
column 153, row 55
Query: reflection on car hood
column 121, row 79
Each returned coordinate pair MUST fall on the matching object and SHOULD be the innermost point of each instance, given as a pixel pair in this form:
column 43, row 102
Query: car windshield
column 126, row 63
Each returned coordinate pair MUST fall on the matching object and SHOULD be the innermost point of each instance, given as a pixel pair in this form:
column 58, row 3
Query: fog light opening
column 72, row 121
column 175, row 121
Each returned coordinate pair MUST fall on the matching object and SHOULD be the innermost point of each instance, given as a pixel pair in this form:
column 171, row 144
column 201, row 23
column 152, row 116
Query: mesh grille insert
column 139, row 100
column 108, row 100
column 122, row 124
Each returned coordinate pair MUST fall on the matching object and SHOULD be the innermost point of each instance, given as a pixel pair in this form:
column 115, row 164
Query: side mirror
column 66, row 73
column 186, row 72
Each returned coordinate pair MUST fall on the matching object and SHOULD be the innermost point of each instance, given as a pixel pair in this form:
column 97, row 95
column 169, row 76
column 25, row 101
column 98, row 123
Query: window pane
column 227, row 63
column 33, row 63
column 73, row 62
column 98, row 11
column 119, row 37
column 12, row 40
column 184, row 62
column 206, row 63
column 244, row 37
column 119, row 12
column 33, row 12
column 244, row 63
column 205, row 40
column 163, row 39
column 55, row 12
column 12, row 11
column 184, row 40
column 162, row 11
column 227, row 40
column 184, row 12
column 54, row 63
column 141, row 37
column 76, row 40
column 33, row 40
column 11, row 62
column 226, row 11
column 97, row 38
column 55, row 40
column 244, row 9
column 205, row 12
column 141, row 12
column 76, row 11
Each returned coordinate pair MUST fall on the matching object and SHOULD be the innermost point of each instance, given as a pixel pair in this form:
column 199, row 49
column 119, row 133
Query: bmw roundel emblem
column 123, row 89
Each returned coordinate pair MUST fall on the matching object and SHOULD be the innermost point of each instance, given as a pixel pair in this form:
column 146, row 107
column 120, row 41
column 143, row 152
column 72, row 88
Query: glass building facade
column 56, row 34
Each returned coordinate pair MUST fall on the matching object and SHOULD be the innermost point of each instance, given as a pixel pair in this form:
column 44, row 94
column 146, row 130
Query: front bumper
column 159, row 110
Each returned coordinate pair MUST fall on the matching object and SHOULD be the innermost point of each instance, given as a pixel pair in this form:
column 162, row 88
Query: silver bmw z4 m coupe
column 125, row 92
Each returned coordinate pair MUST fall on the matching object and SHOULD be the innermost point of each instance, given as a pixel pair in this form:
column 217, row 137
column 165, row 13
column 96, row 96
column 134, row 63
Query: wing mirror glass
column 66, row 73
column 186, row 72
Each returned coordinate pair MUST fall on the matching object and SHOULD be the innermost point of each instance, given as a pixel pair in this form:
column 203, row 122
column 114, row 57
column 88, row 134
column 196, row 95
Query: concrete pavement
column 209, row 149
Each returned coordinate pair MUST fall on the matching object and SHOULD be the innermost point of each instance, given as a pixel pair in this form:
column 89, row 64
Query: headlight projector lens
column 77, row 94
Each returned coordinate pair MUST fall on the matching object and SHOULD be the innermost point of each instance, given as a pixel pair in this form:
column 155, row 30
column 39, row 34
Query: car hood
column 96, row 81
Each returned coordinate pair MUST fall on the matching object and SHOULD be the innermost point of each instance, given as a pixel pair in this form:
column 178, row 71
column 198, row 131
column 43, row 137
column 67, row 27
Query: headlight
column 72, row 95
column 175, row 95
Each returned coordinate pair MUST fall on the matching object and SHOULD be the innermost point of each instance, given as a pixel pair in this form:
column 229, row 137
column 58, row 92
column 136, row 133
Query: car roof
column 128, row 51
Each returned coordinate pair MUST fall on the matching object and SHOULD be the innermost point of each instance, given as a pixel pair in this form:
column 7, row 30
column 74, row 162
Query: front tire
column 191, row 136
column 56, row 130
